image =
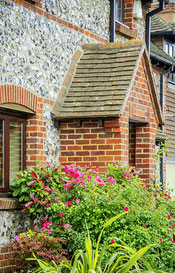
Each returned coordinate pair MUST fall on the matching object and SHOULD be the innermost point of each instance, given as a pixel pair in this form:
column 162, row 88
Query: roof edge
column 67, row 82
column 104, row 46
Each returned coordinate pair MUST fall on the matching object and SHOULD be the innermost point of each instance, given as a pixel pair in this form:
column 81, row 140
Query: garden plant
column 61, row 202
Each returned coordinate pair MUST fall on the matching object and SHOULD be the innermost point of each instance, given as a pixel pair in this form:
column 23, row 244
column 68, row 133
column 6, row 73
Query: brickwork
column 36, row 133
column 128, row 14
column 7, row 260
column 141, row 108
column 92, row 144
column 18, row 95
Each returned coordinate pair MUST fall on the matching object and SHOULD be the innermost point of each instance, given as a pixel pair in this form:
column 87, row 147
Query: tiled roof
column 159, row 51
column 158, row 24
column 102, row 79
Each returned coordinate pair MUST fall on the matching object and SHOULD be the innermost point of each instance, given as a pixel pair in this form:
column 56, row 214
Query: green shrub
column 36, row 188
column 82, row 195
column 122, row 258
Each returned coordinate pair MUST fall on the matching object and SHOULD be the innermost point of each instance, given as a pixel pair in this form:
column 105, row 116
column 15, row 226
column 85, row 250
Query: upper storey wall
column 90, row 15
column 36, row 49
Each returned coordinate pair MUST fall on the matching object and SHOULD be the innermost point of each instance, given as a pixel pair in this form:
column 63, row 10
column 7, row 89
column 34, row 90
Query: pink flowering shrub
column 84, row 197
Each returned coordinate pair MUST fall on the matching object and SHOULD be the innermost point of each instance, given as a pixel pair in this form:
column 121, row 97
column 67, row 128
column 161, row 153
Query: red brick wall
column 7, row 260
column 36, row 132
column 141, row 108
column 92, row 144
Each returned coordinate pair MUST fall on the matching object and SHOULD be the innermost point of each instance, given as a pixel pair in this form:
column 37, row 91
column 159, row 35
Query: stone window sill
column 8, row 203
column 125, row 30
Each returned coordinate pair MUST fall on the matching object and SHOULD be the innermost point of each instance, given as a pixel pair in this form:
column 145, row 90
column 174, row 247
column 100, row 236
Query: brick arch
column 18, row 95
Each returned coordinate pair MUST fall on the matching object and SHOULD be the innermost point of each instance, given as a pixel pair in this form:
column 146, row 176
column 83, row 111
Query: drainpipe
column 148, row 22
column 161, row 128
column 112, row 21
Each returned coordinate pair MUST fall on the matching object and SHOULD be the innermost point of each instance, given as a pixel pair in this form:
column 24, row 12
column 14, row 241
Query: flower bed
column 64, row 202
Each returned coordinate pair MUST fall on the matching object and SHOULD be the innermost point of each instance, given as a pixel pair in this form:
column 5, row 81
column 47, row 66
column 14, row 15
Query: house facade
column 163, row 36
column 67, row 95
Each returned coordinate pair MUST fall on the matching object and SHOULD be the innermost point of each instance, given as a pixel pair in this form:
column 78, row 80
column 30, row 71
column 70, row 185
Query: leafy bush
column 35, row 188
column 44, row 246
column 121, row 260
column 82, row 195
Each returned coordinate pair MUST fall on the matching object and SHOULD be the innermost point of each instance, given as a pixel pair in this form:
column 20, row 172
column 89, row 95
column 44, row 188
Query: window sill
column 125, row 30
column 8, row 203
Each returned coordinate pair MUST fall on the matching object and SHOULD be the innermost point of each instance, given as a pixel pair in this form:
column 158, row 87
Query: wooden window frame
column 16, row 117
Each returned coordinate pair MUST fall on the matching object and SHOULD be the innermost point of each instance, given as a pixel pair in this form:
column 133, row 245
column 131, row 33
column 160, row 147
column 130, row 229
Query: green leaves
column 90, row 260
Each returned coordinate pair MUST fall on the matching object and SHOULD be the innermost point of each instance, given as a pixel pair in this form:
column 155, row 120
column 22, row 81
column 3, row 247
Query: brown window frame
column 16, row 117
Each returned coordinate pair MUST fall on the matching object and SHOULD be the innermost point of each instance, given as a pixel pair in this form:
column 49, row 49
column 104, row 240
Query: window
column 12, row 148
column 119, row 11
column 170, row 50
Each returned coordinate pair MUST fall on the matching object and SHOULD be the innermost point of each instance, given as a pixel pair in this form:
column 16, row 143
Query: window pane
column 166, row 48
column 119, row 10
column 171, row 50
column 1, row 152
column 16, row 147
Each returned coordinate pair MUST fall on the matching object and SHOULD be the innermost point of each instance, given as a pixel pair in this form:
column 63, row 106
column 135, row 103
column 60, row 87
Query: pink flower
column 173, row 223
column 52, row 191
column 89, row 176
column 68, row 227
column 150, row 229
column 170, row 226
column 126, row 176
column 100, row 185
column 173, row 241
column 17, row 237
column 46, row 225
column 169, row 217
column 153, row 209
column 113, row 242
column 47, row 207
column 56, row 199
column 68, row 204
column 160, row 239
column 61, row 214
column 126, row 208
column 56, row 169
column 77, row 201
column 147, row 205
column 110, row 180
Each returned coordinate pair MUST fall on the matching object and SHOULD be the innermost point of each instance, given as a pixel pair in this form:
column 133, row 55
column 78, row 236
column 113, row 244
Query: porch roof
column 100, row 84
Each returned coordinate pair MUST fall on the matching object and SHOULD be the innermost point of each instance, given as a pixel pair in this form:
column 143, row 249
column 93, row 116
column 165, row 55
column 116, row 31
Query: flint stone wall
column 12, row 222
